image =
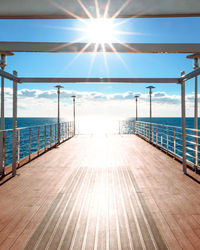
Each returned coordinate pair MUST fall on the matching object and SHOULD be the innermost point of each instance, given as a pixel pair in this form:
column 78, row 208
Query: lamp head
column 58, row 86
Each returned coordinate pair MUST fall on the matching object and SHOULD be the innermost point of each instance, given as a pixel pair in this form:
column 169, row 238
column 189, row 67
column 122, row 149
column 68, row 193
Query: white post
column 3, row 65
column 196, row 65
column 195, row 57
column 14, row 140
column 136, row 112
column 183, row 124
column 150, row 124
column 58, row 92
column 74, row 114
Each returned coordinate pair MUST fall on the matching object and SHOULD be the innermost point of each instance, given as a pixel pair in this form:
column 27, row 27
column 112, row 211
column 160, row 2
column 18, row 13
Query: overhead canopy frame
column 107, row 48
column 57, row 9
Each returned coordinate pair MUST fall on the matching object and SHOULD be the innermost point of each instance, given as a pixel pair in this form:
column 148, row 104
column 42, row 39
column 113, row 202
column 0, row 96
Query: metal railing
column 169, row 138
column 32, row 141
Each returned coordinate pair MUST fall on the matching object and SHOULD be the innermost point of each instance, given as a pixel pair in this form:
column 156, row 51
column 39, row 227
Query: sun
column 100, row 30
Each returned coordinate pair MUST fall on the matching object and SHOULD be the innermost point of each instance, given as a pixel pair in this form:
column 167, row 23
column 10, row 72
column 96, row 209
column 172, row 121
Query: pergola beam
column 9, row 76
column 97, row 80
column 190, row 75
column 106, row 48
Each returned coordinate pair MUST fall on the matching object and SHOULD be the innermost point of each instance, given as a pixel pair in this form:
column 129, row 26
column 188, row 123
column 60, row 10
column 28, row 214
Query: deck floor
column 101, row 192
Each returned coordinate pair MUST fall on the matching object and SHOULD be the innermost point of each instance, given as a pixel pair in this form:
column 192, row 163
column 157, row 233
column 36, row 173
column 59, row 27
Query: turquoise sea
column 86, row 126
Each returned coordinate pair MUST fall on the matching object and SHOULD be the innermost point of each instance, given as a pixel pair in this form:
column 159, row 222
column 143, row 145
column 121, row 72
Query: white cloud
column 36, row 102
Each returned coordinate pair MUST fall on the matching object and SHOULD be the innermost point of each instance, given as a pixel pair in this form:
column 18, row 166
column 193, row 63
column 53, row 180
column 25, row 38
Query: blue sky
column 141, row 30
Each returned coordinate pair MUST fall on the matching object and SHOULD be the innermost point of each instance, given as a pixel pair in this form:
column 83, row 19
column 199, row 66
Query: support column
column 183, row 124
column 14, row 139
column 195, row 57
column 74, row 114
column 3, row 65
column 136, row 112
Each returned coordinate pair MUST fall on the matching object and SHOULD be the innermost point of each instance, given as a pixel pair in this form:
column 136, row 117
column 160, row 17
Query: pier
column 132, row 189
column 101, row 192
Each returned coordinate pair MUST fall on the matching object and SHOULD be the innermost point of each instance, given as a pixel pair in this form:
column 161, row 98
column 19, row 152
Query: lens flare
column 100, row 30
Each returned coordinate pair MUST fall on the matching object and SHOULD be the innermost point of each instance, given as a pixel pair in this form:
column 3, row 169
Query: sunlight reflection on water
column 103, row 125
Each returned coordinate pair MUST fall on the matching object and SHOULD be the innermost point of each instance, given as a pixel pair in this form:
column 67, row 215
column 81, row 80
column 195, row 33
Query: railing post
column 38, row 142
column 45, row 138
column 62, row 132
column 174, row 140
column 18, row 148
column 167, row 138
column 146, row 129
column 50, row 135
column 29, row 144
column 119, row 128
column 150, row 132
column 65, row 130
column 183, row 124
column 161, row 136
column 55, row 133
column 3, row 152
column 157, row 135
column 14, row 138
column 68, row 130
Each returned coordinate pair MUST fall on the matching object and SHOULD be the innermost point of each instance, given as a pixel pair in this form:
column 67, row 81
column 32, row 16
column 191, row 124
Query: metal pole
column 58, row 92
column 183, row 124
column 2, row 65
column 136, row 112
column 2, row 116
column 58, row 115
column 74, row 114
column 150, row 93
column 196, row 66
column 14, row 138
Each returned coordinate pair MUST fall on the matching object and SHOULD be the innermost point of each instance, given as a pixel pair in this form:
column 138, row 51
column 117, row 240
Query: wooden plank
column 114, row 194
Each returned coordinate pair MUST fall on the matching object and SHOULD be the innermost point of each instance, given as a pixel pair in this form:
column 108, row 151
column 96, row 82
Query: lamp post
column 74, row 112
column 150, row 93
column 196, row 66
column 136, row 111
column 2, row 65
column 58, row 92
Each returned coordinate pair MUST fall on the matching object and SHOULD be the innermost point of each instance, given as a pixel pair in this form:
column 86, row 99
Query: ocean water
column 85, row 126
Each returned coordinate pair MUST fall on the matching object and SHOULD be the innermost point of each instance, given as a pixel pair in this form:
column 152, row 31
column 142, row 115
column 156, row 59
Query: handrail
column 33, row 141
column 168, row 140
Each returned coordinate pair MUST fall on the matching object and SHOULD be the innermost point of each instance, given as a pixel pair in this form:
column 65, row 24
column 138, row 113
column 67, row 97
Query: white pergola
column 42, row 9
column 59, row 9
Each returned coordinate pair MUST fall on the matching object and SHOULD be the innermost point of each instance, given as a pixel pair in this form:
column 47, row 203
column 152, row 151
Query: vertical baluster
column 156, row 134
column 119, row 128
column 45, row 138
column 29, row 144
column 4, row 151
column 50, row 135
column 146, row 129
column 62, row 131
column 174, row 140
column 161, row 136
column 38, row 141
column 167, row 138
column 18, row 148
column 67, row 130
column 55, row 133
column 149, row 132
column 152, row 133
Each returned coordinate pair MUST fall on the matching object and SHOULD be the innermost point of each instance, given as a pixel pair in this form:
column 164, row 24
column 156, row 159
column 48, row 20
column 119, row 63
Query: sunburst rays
column 100, row 46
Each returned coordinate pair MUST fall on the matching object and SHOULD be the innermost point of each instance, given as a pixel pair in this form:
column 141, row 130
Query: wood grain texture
column 100, row 192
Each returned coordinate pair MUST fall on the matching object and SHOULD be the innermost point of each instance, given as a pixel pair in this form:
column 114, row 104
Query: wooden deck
column 101, row 192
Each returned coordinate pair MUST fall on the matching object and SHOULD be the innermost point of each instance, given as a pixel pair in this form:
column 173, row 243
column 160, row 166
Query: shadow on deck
column 101, row 192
